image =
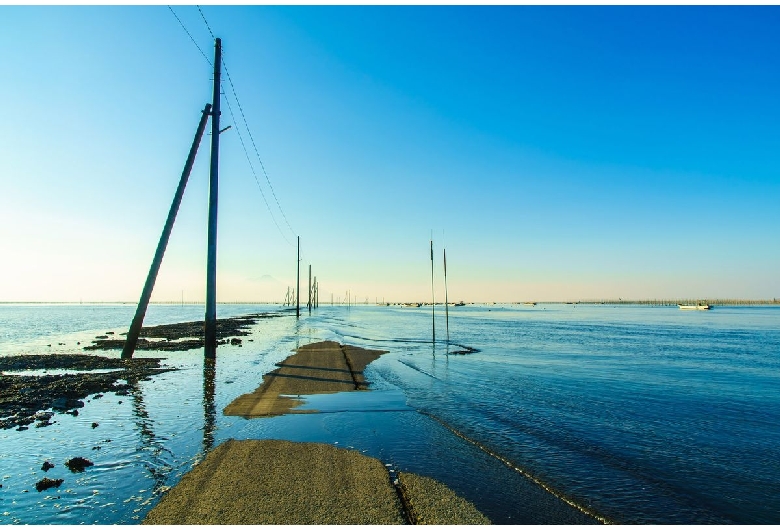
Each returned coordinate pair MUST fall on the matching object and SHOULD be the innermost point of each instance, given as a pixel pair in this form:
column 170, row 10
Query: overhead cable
column 190, row 36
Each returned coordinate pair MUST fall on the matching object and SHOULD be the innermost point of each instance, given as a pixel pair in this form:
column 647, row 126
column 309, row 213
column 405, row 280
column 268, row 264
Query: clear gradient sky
column 559, row 153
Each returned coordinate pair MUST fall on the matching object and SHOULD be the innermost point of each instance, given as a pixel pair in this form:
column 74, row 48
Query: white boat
column 698, row 306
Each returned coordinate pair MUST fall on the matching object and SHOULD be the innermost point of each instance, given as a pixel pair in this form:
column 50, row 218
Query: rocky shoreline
column 184, row 335
column 28, row 399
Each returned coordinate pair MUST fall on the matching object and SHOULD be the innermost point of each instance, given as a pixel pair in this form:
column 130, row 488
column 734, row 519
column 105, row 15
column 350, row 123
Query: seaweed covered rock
column 78, row 464
column 47, row 483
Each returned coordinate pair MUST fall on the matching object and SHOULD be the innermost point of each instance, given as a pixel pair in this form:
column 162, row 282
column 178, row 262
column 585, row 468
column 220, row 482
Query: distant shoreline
column 653, row 302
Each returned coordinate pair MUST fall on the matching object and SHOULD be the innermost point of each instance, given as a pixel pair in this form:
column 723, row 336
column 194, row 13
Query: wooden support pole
column 210, row 331
column 309, row 288
column 146, row 294
column 298, row 283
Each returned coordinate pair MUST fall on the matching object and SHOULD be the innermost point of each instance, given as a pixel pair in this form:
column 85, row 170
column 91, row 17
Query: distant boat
column 529, row 303
column 698, row 306
column 460, row 304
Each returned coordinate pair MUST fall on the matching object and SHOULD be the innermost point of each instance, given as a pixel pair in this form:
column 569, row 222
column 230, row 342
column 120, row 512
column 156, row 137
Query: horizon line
column 591, row 301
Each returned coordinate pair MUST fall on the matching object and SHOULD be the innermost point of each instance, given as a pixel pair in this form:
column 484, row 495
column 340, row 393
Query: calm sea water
column 637, row 414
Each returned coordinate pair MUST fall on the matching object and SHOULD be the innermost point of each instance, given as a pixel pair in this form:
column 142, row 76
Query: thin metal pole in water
column 210, row 350
column 298, row 280
column 433, row 298
column 310, row 288
column 446, row 298
column 146, row 294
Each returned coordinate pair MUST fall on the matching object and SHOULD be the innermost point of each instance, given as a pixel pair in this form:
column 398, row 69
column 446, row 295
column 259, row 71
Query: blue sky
column 559, row 153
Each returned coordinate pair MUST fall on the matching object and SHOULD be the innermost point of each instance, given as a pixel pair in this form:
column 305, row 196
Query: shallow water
column 639, row 414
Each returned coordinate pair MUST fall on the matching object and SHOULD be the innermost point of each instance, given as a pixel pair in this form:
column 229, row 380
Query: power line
column 254, row 173
column 206, row 22
column 246, row 125
column 190, row 35
column 251, row 138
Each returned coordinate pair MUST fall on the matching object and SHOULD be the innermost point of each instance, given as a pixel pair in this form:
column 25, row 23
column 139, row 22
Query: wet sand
column 319, row 368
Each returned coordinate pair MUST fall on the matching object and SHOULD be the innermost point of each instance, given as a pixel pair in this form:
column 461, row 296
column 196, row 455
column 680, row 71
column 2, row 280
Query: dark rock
column 235, row 341
column 64, row 403
column 95, row 424
column 73, row 412
column 24, row 419
column 109, row 332
column 77, row 464
column 47, row 466
column 97, row 396
column 48, row 483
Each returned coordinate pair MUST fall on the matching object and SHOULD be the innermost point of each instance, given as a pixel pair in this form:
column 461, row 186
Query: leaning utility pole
column 310, row 288
column 146, row 294
column 210, row 350
column 298, row 284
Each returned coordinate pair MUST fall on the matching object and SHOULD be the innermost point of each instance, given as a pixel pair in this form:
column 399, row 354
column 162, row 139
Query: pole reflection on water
column 158, row 468
column 209, row 408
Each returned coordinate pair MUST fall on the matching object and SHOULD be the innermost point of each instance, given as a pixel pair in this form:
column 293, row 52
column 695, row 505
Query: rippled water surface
column 637, row 414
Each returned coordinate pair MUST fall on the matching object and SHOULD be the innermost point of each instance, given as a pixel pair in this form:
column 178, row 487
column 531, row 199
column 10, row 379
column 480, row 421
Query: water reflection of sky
column 583, row 396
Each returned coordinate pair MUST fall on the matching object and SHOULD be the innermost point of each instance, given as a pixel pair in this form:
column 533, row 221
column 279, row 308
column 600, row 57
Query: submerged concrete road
column 281, row 482
column 318, row 368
